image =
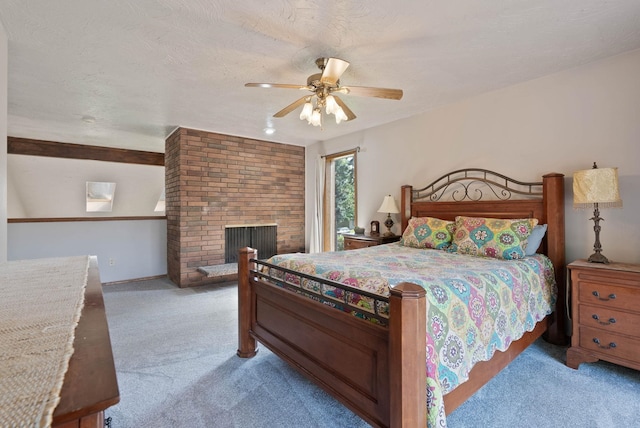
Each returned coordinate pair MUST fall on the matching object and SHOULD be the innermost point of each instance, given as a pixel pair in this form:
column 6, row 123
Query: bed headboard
column 483, row 193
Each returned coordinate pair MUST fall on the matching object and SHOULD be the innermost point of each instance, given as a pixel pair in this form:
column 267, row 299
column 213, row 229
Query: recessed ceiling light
column 269, row 131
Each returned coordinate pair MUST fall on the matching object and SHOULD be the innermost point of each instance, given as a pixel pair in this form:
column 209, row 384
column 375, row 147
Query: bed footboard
column 247, row 345
column 377, row 371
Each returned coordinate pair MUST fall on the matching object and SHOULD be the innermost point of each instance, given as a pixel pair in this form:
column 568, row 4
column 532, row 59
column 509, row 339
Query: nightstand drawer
column 606, row 295
column 610, row 343
column 609, row 320
column 352, row 244
column 605, row 308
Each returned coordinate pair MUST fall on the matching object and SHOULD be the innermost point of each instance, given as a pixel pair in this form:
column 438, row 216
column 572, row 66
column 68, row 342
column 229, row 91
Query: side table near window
column 605, row 311
column 352, row 241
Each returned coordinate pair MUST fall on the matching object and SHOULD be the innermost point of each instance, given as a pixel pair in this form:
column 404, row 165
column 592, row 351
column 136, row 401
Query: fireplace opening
column 263, row 238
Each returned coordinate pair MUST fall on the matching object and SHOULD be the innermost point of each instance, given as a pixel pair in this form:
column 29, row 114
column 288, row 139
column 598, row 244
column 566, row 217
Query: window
column 100, row 196
column 340, row 198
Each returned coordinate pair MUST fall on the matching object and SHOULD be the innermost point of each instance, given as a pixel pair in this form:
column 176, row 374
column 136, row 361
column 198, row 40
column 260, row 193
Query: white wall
column 43, row 187
column 46, row 187
column 138, row 248
column 560, row 123
column 3, row 143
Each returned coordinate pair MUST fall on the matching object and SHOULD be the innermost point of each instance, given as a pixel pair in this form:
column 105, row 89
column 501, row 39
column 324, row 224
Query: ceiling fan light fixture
column 322, row 85
column 307, row 111
column 331, row 106
column 340, row 115
column 316, row 118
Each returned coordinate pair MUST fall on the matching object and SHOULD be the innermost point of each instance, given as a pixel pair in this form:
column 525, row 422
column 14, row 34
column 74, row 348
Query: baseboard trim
column 76, row 219
column 146, row 278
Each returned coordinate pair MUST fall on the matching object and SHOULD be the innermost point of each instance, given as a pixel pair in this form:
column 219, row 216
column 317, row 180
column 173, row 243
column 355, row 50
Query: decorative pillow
column 492, row 237
column 535, row 239
column 428, row 232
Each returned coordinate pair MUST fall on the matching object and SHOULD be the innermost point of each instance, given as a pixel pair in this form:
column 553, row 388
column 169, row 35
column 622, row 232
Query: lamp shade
column 331, row 106
column 388, row 205
column 306, row 112
column 596, row 186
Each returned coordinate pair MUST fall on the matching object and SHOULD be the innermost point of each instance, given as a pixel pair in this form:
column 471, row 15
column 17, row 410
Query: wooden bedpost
column 553, row 188
column 406, row 197
column 247, row 346
column 407, row 356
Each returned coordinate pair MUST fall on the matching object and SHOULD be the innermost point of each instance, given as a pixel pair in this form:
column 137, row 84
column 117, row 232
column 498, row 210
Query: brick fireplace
column 214, row 180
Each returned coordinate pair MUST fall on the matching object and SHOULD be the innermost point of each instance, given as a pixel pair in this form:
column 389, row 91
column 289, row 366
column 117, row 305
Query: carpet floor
column 175, row 359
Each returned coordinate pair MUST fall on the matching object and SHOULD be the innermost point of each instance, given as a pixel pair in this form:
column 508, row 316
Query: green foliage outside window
column 345, row 193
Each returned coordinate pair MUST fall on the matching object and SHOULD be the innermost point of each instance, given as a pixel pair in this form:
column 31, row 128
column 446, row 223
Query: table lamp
column 388, row 206
column 595, row 188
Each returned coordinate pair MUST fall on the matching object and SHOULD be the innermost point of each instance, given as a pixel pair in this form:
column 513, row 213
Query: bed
column 374, row 362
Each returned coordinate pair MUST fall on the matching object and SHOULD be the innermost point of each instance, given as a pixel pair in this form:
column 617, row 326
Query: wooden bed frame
column 379, row 371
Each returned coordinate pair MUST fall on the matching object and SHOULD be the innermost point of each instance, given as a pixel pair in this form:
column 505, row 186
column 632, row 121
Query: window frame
column 328, row 215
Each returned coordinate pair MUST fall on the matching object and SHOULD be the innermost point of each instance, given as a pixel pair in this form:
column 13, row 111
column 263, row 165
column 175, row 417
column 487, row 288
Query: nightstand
column 351, row 241
column 605, row 311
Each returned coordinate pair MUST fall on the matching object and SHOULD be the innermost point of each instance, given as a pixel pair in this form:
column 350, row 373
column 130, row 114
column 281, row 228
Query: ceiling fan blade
column 333, row 69
column 363, row 91
column 291, row 107
column 347, row 110
column 275, row 85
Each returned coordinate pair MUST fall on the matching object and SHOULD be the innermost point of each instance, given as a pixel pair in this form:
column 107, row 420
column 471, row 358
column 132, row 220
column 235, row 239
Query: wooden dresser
column 605, row 311
column 90, row 384
column 351, row 241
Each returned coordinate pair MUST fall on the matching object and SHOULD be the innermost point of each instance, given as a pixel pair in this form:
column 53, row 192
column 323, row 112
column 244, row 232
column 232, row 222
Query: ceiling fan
column 324, row 87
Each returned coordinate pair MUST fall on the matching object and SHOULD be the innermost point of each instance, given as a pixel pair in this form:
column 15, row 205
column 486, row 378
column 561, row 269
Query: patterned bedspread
column 475, row 305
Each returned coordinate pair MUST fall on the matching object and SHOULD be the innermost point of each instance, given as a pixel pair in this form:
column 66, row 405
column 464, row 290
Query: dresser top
column 627, row 267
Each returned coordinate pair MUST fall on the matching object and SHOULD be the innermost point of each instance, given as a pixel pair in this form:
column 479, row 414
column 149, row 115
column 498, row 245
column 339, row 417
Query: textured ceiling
column 143, row 67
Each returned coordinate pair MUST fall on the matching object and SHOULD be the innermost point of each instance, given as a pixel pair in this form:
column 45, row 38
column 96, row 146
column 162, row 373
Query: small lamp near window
column 595, row 188
column 388, row 206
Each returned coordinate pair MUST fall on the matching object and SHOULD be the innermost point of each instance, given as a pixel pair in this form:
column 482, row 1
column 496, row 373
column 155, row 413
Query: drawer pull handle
column 610, row 346
column 610, row 297
column 597, row 318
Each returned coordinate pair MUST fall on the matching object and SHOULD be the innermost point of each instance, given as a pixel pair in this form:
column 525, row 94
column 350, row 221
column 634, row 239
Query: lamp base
column 597, row 258
column 389, row 223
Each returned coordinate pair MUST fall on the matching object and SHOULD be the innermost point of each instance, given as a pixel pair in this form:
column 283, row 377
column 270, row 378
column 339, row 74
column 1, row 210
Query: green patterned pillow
column 428, row 232
column 492, row 237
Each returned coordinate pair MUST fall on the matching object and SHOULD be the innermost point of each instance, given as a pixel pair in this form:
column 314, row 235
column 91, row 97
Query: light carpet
column 175, row 359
